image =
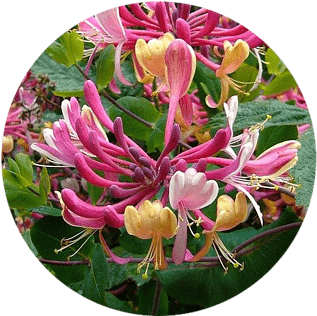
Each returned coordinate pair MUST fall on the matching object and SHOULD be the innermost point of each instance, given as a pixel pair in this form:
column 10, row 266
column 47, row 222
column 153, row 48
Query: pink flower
column 188, row 191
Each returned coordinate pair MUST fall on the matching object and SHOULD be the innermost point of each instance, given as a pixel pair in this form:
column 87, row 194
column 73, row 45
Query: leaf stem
column 65, row 263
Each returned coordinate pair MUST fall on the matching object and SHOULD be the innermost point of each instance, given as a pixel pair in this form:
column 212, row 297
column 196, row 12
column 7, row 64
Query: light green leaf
column 280, row 84
column 275, row 66
column 45, row 185
column 305, row 169
column 74, row 46
column 25, row 165
column 58, row 52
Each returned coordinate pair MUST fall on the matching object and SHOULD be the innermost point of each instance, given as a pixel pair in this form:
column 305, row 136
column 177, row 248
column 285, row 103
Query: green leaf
column 13, row 166
column 145, row 299
column 27, row 238
column 275, row 66
column 156, row 138
column 96, row 279
column 142, row 108
column 25, row 165
column 251, row 113
column 58, row 52
column 207, row 83
column 69, row 81
column 94, row 191
column 15, row 178
column 18, row 195
column 46, row 210
column 105, row 67
column 273, row 135
column 74, row 46
column 46, row 235
column 209, row 286
column 45, row 185
column 280, row 84
column 245, row 74
column 305, row 169
column 115, row 303
column 133, row 244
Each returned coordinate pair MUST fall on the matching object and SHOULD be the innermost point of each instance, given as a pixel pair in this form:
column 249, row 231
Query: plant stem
column 116, row 104
column 157, row 297
column 65, row 263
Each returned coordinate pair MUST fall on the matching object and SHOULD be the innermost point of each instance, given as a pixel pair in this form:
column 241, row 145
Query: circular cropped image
column 158, row 158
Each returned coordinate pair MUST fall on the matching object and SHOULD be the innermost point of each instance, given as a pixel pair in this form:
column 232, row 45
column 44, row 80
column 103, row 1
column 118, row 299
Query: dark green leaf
column 251, row 113
column 46, row 210
column 105, row 67
column 304, row 170
column 273, row 135
column 207, row 83
column 146, row 297
column 156, row 138
column 142, row 108
column 69, row 81
column 209, row 286
column 46, row 235
column 96, row 279
column 115, row 303
column 133, row 244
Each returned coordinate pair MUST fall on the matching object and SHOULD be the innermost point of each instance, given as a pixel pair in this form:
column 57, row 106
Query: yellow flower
column 233, row 58
column 230, row 213
column 151, row 221
column 7, row 144
column 150, row 57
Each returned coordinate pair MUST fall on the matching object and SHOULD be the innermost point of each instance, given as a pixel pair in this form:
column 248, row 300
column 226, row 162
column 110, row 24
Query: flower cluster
column 184, row 182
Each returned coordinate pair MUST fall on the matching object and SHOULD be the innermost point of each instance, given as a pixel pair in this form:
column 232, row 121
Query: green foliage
column 46, row 210
column 273, row 135
column 21, row 192
column 209, row 286
column 68, row 49
column 142, row 108
column 207, row 83
column 96, row 279
column 305, row 169
column 46, row 235
column 145, row 299
column 105, row 67
column 251, row 113
column 282, row 78
column 69, row 81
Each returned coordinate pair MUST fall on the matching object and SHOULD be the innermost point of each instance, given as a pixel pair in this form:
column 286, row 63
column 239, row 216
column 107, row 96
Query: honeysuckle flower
column 233, row 58
column 151, row 221
column 188, row 191
column 151, row 55
column 180, row 69
column 230, row 213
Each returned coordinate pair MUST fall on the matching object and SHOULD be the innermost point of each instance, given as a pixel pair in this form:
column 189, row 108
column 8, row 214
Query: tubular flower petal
column 229, row 214
column 150, row 56
column 189, row 190
column 151, row 221
column 234, row 57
